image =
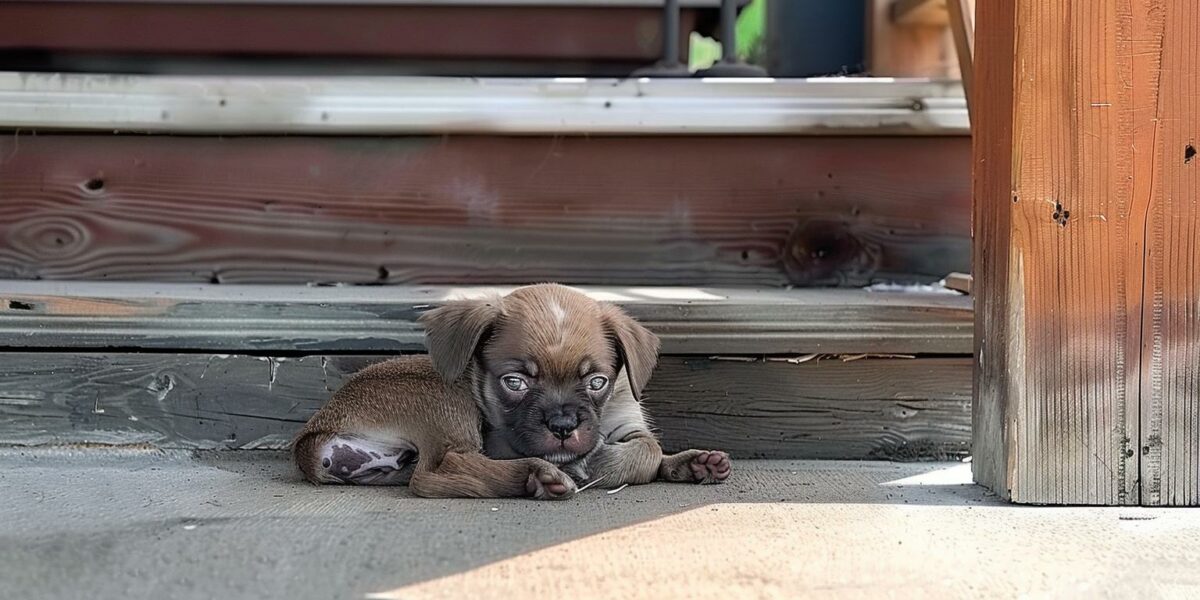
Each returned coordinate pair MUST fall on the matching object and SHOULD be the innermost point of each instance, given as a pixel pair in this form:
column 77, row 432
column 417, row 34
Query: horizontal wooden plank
column 51, row 315
column 871, row 408
column 471, row 4
column 436, row 105
column 580, row 32
column 746, row 211
column 423, row 3
column 823, row 409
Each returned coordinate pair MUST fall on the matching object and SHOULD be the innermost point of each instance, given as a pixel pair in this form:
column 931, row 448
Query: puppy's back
column 398, row 403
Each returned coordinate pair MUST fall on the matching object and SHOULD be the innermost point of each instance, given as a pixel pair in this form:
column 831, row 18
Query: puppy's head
column 547, row 360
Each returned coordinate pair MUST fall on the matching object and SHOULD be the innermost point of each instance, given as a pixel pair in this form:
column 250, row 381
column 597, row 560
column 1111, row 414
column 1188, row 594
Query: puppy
column 532, row 394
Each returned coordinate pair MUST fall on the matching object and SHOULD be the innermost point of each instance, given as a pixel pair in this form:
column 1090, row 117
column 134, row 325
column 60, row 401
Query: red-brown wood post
column 1087, row 261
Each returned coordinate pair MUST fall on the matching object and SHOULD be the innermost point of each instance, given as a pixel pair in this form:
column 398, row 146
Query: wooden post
column 1167, row 43
column 1086, row 260
column 962, row 25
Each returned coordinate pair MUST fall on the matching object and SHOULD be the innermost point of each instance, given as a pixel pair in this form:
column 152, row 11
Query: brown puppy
column 531, row 394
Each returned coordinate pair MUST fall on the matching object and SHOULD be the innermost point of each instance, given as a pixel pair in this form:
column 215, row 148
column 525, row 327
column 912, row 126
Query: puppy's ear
column 636, row 346
column 453, row 333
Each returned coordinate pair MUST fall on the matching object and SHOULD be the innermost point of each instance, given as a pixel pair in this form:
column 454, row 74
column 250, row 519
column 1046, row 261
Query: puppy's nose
column 562, row 425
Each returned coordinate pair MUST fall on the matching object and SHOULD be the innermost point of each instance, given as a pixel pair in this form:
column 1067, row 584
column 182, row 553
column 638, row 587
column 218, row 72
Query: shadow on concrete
column 134, row 523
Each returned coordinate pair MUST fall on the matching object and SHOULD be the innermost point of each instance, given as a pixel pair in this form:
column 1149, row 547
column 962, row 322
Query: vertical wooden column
column 1084, row 237
column 1167, row 46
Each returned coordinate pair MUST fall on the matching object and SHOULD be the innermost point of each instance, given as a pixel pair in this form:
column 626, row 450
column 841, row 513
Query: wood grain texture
column 995, row 319
column 907, row 409
column 170, row 400
column 962, row 28
column 1169, row 44
column 295, row 319
column 908, row 50
column 1065, row 130
column 624, row 211
column 339, row 29
column 881, row 409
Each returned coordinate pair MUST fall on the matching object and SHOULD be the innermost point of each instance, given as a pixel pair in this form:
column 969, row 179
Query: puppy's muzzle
column 562, row 425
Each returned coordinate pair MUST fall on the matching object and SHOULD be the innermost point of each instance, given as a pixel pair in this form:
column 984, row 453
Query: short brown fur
column 475, row 436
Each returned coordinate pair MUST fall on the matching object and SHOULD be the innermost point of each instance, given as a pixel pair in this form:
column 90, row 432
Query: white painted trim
column 430, row 105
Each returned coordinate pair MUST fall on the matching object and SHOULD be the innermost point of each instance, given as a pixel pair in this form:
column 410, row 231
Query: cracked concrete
column 101, row 523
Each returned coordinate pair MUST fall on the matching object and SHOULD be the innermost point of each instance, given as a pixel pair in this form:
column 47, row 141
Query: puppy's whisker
column 623, row 486
column 592, row 483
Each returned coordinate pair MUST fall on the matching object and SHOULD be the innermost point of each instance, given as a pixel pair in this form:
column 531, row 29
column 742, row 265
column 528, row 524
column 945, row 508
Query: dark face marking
column 541, row 365
column 550, row 416
column 545, row 359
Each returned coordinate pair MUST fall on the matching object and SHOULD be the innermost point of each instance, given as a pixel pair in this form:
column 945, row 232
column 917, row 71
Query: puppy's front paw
column 547, row 482
column 710, row 467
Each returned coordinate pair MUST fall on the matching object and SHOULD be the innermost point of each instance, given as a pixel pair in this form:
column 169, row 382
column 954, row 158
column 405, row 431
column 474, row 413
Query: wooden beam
column 485, row 32
column 879, row 409
column 296, row 319
column 996, row 391
column 962, row 26
column 1166, row 60
column 1084, row 250
column 485, row 210
column 864, row 409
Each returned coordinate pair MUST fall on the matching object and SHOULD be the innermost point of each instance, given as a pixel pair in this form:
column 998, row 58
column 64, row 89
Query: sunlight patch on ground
column 844, row 550
column 956, row 475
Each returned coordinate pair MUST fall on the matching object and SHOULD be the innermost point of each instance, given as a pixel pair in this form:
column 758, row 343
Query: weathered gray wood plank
column 888, row 408
column 869, row 408
column 60, row 315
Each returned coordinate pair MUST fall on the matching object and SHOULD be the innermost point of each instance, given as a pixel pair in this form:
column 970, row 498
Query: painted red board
column 426, row 32
column 615, row 211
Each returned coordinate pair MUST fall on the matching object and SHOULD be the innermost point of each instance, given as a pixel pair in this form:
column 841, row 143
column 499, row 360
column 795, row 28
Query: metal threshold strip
column 422, row 106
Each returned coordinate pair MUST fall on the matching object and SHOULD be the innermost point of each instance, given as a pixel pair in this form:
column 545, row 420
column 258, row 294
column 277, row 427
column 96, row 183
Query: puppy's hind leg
column 345, row 458
column 473, row 475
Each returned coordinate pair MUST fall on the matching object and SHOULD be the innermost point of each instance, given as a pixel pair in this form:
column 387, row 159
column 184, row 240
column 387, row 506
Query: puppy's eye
column 597, row 383
column 514, row 383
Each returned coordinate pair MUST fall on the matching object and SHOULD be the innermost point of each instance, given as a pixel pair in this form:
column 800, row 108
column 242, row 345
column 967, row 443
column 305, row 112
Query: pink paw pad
column 711, row 467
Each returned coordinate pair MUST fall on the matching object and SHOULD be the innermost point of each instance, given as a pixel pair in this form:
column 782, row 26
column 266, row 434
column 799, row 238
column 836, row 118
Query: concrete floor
column 100, row 524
